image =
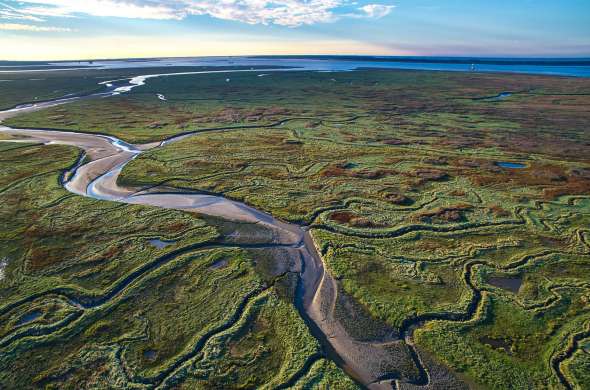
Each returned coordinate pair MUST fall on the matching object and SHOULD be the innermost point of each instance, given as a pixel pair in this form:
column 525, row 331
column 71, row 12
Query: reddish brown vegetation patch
column 395, row 141
column 498, row 211
column 38, row 238
column 446, row 214
column 548, row 143
column 342, row 217
column 553, row 179
column 441, row 160
column 572, row 187
column 156, row 125
column 581, row 173
column 463, row 143
column 348, row 218
column 372, row 174
column 398, row 199
column 198, row 164
column 179, row 226
column 334, row 171
column 474, row 163
column 425, row 175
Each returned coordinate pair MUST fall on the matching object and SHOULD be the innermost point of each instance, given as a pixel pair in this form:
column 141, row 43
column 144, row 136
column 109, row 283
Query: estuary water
column 579, row 67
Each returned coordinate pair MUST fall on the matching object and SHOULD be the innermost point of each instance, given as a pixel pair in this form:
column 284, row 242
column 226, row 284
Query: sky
column 92, row 29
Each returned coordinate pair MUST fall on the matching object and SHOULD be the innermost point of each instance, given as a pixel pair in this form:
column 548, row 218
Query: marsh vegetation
column 455, row 228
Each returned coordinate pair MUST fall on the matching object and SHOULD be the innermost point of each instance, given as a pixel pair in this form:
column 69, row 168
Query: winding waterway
column 371, row 364
column 97, row 179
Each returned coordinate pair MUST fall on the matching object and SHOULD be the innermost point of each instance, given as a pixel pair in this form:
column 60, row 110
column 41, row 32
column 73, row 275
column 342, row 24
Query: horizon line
column 451, row 57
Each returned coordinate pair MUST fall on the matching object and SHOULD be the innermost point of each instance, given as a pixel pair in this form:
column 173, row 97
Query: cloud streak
column 291, row 13
column 31, row 28
column 10, row 13
column 377, row 11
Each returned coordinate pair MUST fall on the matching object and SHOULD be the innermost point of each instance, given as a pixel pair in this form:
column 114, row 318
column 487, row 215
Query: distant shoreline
column 537, row 61
column 449, row 60
column 567, row 67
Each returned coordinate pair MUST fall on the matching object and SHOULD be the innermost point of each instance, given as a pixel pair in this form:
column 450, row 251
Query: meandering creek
column 372, row 364
column 97, row 179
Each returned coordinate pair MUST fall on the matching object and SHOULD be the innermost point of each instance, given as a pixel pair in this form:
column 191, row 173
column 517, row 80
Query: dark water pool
column 496, row 343
column 510, row 165
column 500, row 96
column 511, row 283
column 496, row 98
column 219, row 264
column 161, row 244
column 30, row 317
column 150, row 354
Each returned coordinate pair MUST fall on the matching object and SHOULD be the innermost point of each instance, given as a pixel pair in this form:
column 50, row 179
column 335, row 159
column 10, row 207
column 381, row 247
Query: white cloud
column 30, row 27
column 136, row 9
column 10, row 13
column 377, row 11
column 286, row 12
column 290, row 13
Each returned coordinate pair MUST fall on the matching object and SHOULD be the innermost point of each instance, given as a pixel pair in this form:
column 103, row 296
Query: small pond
column 501, row 96
column 161, row 244
column 511, row 283
column 496, row 98
column 150, row 354
column 510, row 165
column 496, row 343
column 219, row 264
column 30, row 317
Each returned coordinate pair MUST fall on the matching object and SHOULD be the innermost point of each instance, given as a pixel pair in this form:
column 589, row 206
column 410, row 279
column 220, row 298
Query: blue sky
column 72, row 29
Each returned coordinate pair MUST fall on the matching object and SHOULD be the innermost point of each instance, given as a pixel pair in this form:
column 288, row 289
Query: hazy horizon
column 405, row 58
